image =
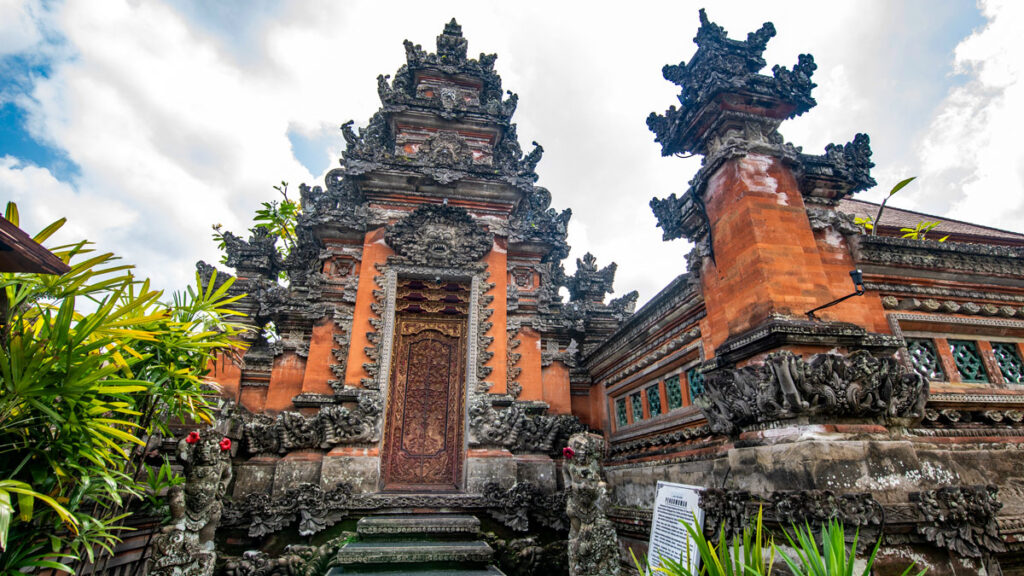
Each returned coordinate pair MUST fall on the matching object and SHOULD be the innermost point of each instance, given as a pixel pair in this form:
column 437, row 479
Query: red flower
column 192, row 437
column 225, row 444
column 568, row 453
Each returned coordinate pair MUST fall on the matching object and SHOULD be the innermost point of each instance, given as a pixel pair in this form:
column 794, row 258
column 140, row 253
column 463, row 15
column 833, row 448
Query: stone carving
column 515, row 427
column 736, row 509
column 961, row 518
column 952, row 307
column 314, row 509
column 593, row 544
column 933, row 255
column 535, row 220
column 950, row 416
column 725, row 65
column 619, row 449
column 185, row 547
column 528, row 556
column 515, row 506
column 306, row 504
column 589, row 284
column 439, row 235
column 297, row 560
column 334, row 424
column 786, row 386
column 512, row 385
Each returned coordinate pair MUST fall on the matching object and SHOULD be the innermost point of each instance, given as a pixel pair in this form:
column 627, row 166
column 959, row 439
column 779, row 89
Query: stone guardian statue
column 593, row 545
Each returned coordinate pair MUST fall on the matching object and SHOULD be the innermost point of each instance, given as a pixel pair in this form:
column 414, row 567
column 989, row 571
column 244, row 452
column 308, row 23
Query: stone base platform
column 422, row 544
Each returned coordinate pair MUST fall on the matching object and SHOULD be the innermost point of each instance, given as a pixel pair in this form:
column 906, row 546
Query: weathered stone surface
column 593, row 548
column 361, row 473
column 185, row 547
column 480, row 472
column 254, row 476
column 291, row 472
column 537, row 470
column 443, row 526
column 374, row 553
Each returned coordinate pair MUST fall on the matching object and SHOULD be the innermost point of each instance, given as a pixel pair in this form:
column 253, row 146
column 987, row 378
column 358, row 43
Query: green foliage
column 91, row 363
column 743, row 557
column 833, row 559
column 870, row 224
column 278, row 218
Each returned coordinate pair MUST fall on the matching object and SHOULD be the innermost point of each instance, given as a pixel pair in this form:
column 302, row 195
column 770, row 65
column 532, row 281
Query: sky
column 146, row 122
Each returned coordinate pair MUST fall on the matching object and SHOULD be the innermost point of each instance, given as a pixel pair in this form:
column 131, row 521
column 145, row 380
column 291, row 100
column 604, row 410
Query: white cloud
column 971, row 159
column 18, row 28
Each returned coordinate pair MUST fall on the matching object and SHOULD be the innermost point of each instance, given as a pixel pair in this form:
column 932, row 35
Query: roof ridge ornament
column 722, row 78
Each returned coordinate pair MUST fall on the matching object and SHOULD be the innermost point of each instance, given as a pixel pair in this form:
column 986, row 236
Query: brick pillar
column 761, row 264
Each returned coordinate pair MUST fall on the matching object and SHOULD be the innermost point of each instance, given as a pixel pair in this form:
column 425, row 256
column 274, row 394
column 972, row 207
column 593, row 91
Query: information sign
column 669, row 538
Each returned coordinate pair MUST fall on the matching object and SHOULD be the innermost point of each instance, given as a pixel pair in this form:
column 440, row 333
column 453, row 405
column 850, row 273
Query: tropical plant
column 277, row 218
column 918, row 232
column 744, row 556
column 834, row 558
column 91, row 363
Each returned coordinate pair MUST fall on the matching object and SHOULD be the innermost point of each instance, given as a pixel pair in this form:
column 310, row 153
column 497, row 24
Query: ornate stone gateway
column 424, row 439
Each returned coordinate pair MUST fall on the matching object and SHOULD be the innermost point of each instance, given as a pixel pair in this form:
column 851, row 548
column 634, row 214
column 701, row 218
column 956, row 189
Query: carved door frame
column 387, row 341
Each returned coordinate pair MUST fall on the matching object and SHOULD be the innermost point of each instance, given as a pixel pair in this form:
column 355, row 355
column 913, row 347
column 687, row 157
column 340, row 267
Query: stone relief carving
column 735, row 509
column 334, row 424
column 725, row 65
column 297, row 560
column 314, row 509
column 512, row 371
column 934, row 255
column 516, row 506
column 961, row 518
column 953, row 307
column 593, row 544
column 185, row 547
column 517, row 428
column 786, row 386
column 439, row 235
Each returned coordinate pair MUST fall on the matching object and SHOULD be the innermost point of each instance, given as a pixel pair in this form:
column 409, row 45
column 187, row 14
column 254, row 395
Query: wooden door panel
column 423, row 446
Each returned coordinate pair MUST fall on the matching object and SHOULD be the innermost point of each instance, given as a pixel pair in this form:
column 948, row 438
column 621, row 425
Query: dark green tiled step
column 398, row 527
column 358, row 570
column 414, row 552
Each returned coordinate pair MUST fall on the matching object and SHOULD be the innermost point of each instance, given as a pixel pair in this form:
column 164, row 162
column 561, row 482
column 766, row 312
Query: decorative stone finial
column 722, row 78
column 451, row 46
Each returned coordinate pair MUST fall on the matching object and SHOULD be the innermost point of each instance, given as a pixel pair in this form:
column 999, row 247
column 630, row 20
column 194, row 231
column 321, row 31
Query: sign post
column 669, row 538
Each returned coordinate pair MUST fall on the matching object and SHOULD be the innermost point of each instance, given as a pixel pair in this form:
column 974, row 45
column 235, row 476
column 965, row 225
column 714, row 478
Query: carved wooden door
column 423, row 438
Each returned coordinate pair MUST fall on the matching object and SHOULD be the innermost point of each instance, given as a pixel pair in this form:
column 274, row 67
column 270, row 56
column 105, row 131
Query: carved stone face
column 438, row 240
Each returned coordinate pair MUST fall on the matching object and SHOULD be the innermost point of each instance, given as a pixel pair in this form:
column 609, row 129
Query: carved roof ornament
column 722, row 77
column 439, row 235
column 589, row 284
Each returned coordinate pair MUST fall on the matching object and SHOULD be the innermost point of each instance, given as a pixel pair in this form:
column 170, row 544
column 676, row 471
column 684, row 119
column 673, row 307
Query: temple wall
column 375, row 252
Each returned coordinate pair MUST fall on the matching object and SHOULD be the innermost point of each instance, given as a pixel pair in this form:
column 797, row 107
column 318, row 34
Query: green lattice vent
column 925, row 359
column 695, row 380
column 673, row 392
column 1009, row 362
column 637, row 406
column 620, row 412
column 968, row 360
column 653, row 400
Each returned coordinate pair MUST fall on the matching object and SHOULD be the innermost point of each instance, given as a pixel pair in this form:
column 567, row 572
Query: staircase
column 419, row 544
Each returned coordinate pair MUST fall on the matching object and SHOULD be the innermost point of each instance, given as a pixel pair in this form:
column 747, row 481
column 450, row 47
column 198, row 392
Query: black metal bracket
column 858, row 282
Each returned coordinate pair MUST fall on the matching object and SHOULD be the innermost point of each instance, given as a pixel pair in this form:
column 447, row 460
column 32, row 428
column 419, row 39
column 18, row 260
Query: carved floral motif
column 786, row 386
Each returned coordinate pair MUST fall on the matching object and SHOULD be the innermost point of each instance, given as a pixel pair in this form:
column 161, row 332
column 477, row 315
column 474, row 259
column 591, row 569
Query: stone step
column 414, row 552
column 399, row 527
column 360, row 570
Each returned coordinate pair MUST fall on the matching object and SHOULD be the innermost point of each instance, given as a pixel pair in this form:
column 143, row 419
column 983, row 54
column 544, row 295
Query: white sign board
column 669, row 538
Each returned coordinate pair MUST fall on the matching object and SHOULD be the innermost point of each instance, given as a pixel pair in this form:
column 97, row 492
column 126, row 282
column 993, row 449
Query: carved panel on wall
column 424, row 433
